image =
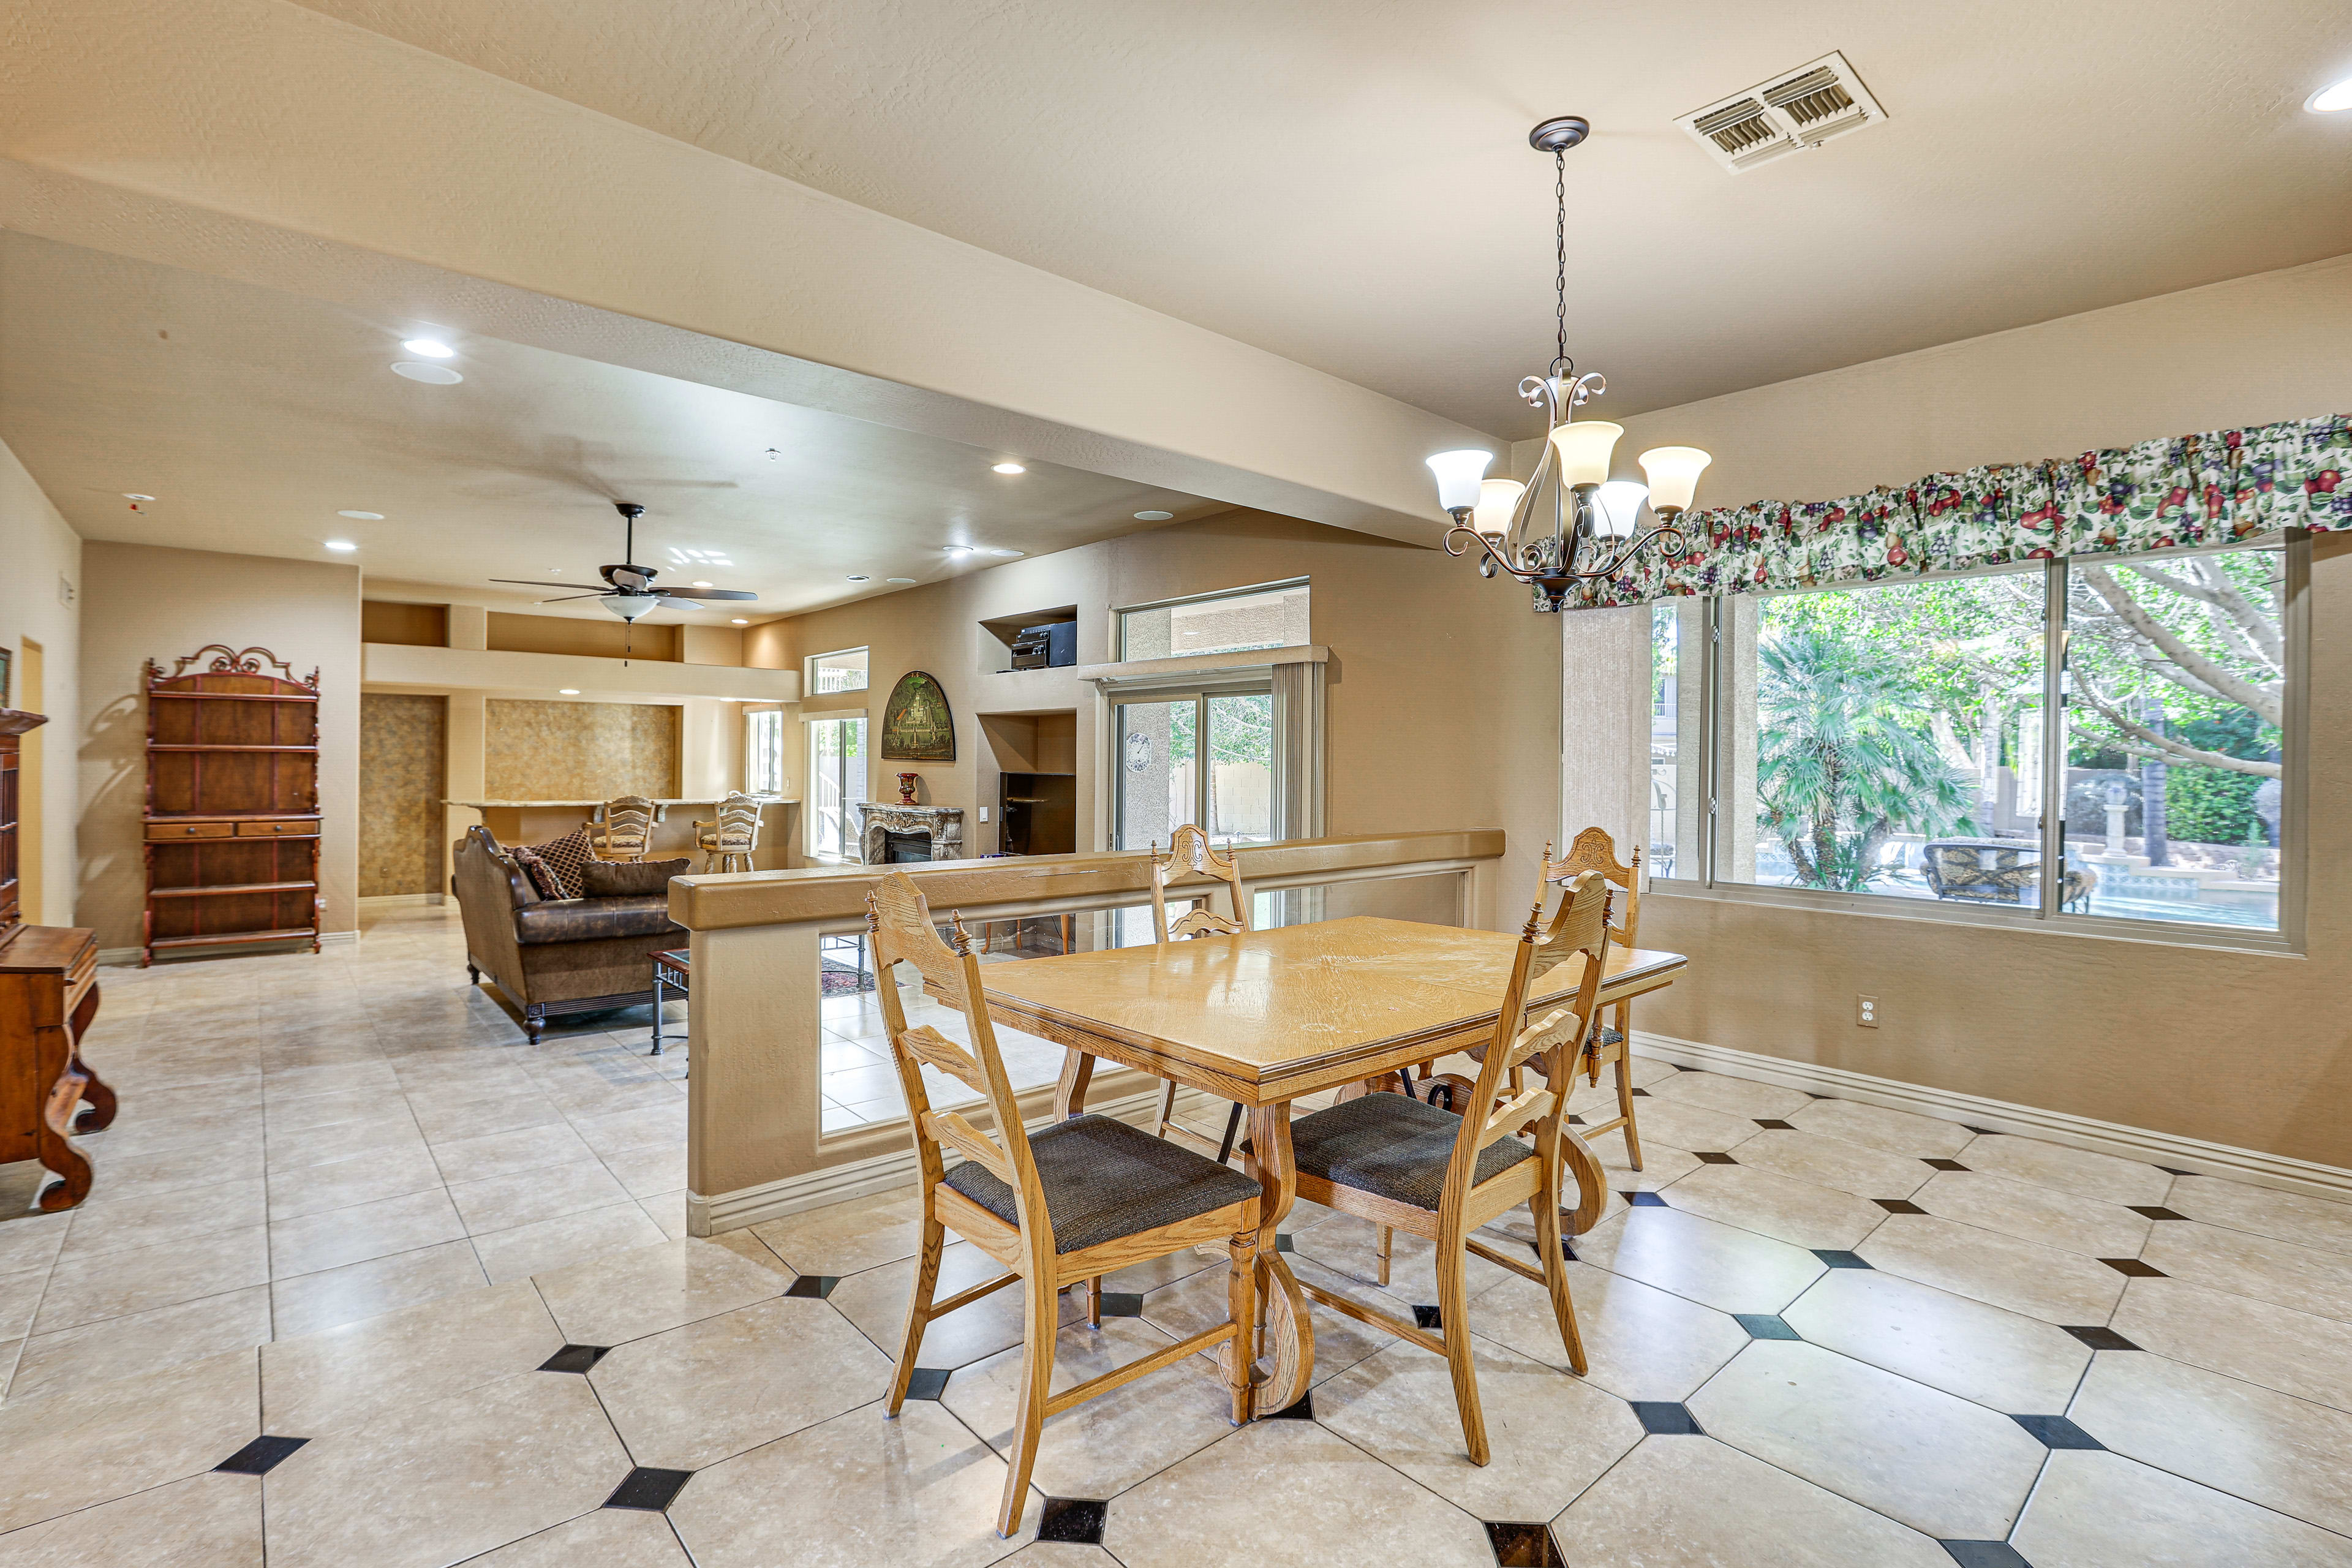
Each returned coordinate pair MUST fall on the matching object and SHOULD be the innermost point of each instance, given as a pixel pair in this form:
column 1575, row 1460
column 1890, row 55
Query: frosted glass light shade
column 1459, row 474
column 1584, row 446
column 1673, row 476
column 631, row 606
column 1615, row 506
column 1496, row 500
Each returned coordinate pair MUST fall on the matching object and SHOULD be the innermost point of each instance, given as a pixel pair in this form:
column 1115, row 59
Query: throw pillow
column 628, row 879
column 565, row 856
column 541, row 874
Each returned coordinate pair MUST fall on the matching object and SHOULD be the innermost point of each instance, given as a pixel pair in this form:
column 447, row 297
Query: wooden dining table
column 1265, row 1018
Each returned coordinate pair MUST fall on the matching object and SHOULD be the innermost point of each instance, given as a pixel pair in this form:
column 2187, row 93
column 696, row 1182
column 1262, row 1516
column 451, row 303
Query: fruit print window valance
column 2211, row 489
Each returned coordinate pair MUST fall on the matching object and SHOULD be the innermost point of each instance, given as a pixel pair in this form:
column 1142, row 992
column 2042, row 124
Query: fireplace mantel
column 943, row 823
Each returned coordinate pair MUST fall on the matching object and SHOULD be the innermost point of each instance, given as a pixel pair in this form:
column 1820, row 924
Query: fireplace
column 893, row 834
column 899, row 848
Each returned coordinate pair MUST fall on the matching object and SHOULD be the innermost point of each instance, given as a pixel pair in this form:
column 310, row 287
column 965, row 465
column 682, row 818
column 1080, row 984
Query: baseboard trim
column 863, row 1178
column 398, row 901
column 2126, row 1143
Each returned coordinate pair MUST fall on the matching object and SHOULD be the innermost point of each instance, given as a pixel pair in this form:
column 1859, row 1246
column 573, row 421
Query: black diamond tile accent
column 1075, row 1520
column 1666, row 1420
column 1898, row 1206
column 2135, row 1268
column 1982, row 1132
column 817, row 1285
column 1121, row 1304
column 1643, row 1092
column 2150, row 1211
column 926, row 1381
column 1428, row 1318
column 2101, row 1339
column 1644, row 1200
column 1574, row 1121
column 1943, row 1164
column 1765, row 1326
column 1836, row 1259
column 575, row 1358
column 1302, row 1411
column 1775, row 1124
column 1523, row 1546
column 261, row 1455
column 1713, row 1157
column 1984, row 1555
column 1283, row 1242
column 2057, row 1432
column 2170, row 1172
column 647, row 1490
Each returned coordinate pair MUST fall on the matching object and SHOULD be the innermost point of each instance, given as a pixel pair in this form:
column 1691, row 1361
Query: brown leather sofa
column 555, row 955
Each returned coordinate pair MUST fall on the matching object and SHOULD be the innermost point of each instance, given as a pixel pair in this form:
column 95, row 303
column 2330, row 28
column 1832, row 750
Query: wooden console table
column 48, row 993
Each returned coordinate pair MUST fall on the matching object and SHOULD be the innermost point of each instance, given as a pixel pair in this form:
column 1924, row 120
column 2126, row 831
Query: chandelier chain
column 1560, row 250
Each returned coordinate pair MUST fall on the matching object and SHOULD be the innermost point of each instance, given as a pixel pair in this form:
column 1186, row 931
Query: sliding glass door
column 836, row 782
column 1206, row 758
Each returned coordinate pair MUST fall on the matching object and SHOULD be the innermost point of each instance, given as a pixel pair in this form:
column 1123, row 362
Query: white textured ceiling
column 1346, row 182
column 254, row 417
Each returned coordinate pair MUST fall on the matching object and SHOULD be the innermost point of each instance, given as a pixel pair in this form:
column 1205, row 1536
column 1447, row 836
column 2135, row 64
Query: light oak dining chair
column 1074, row 1201
column 1407, row 1166
column 1594, row 850
column 623, row 828
column 1189, row 850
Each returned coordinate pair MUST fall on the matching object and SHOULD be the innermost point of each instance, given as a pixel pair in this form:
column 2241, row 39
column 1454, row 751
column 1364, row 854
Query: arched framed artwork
column 916, row 724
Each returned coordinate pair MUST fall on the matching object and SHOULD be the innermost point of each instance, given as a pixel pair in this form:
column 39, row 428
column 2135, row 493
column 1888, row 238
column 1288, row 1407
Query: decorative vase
column 906, row 788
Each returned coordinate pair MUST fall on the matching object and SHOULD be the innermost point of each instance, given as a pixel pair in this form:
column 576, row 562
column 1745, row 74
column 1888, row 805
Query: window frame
column 2288, row 940
column 1120, row 612
column 808, row 671
column 755, row 720
column 1241, row 683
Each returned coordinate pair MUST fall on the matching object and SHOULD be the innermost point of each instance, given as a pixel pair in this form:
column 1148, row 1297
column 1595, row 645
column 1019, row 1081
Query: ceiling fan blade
column 533, row 583
column 718, row 593
column 569, row 597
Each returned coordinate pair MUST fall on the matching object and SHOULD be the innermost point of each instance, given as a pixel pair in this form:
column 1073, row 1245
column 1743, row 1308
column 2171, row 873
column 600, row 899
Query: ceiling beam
column 258, row 140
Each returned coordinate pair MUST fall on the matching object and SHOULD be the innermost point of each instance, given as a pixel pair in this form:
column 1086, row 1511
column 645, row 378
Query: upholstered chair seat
column 1392, row 1146
column 1105, row 1180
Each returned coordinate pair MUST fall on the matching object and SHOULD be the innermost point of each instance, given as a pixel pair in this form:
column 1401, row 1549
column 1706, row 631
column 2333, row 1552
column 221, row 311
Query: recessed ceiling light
column 567, row 691
column 362, row 516
column 958, row 551
column 430, row 374
column 134, row 495
column 1153, row 516
column 1007, row 554
column 343, row 546
column 1010, row 468
column 705, row 585
column 2333, row 99
column 742, row 622
column 431, row 348
column 859, row 577
column 900, row 580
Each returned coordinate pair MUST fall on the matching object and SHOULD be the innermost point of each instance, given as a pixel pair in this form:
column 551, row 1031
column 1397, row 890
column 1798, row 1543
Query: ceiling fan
column 633, row 594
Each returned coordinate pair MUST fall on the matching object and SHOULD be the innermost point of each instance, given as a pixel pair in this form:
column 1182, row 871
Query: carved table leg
column 1070, row 1093
column 1578, row 1161
column 1289, row 1336
column 96, row 1096
column 54, row 1151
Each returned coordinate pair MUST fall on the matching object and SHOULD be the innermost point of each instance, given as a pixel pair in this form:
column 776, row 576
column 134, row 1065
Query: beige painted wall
column 141, row 602
column 2238, row 1048
column 43, row 558
column 1442, row 710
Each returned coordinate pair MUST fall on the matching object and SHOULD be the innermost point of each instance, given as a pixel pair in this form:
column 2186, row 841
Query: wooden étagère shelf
column 232, row 819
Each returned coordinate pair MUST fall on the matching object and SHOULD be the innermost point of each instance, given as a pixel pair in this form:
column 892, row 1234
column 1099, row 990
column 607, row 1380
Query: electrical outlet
column 1867, row 1012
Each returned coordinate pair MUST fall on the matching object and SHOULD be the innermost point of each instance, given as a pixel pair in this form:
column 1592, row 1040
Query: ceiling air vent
column 1790, row 112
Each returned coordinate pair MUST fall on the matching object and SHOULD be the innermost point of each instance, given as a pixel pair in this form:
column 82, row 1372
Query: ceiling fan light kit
column 1539, row 532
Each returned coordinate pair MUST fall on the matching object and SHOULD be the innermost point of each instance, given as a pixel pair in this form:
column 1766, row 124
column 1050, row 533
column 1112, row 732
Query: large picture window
column 2125, row 720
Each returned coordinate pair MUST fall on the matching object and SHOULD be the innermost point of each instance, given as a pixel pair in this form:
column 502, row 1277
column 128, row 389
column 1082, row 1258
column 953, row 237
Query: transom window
column 844, row 670
column 2126, row 721
column 1270, row 615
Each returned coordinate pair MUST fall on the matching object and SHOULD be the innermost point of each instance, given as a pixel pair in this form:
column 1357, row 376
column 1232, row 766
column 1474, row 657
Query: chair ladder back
column 1579, row 927
column 1594, row 850
column 1189, row 852
column 900, row 921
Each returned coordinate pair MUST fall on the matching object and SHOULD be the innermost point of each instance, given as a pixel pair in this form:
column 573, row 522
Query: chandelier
column 1544, row 533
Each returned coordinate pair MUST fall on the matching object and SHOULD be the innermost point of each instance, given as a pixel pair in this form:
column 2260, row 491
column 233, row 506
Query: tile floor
column 369, row 1283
